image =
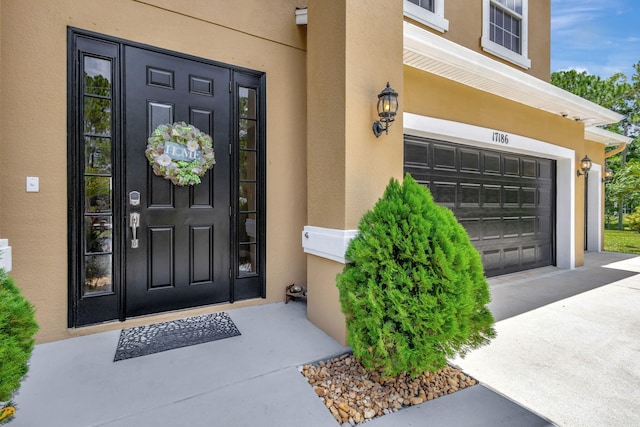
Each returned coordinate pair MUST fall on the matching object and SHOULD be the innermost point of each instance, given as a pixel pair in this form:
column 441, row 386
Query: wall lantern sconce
column 585, row 166
column 608, row 173
column 387, row 109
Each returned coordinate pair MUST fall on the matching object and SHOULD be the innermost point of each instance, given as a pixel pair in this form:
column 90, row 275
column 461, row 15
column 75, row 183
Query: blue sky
column 601, row 37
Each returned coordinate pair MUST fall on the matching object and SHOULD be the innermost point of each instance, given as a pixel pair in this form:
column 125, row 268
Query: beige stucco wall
column 324, row 165
column 33, row 142
column 430, row 95
column 465, row 28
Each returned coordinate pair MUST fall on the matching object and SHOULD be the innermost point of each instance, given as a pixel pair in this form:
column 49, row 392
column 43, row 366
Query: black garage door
column 505, row 201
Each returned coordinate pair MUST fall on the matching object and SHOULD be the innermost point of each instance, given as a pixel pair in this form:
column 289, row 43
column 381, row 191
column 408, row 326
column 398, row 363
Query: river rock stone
column 353, row 395
column 369, row 413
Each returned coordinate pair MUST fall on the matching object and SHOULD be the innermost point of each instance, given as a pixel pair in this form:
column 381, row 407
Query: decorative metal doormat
column 144, row 340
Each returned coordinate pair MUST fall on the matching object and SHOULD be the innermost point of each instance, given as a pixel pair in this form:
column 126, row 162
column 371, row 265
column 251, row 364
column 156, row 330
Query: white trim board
column 594, row 211
column 327, row 242
column 463, row 133
column 434, row 54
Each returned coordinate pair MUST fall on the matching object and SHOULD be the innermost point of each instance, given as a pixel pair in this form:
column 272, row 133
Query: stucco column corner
column 348, row 168
column 323, row 298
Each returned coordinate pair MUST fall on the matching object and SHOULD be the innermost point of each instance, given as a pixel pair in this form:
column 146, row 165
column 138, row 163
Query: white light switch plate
column 33, row 184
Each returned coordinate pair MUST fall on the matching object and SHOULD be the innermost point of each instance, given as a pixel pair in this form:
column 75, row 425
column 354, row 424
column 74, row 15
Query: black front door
column 196, row 245
column 182, row 258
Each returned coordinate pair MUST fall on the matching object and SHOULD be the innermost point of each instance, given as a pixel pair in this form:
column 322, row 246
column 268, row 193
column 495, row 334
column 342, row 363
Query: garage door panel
column 529, row 168
column 511, row 165
column 491, row 164
column 470, row 160
column 511, row 196
column 505, row 201
column 492, row 196
column 444, row 157
column 469, row 195
column 511, row 257
column 544, row 252
column 419, row 173
column 544, row 225
column 544, row 197
column 511, row 227
column 473, row 226
column 529, row 255
column 416, row 153
column 546, row 169
column 528, row 226
column 491, row 228
column 444, row 193
column 491, row 259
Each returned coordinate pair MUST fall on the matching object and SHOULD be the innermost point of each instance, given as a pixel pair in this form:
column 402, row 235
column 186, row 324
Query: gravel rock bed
column 354, row 395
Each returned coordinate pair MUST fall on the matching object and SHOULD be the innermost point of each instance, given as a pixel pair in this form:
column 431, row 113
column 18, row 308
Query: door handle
column 134, row 223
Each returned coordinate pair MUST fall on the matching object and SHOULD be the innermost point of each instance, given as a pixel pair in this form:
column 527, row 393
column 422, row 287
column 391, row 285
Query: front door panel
column 182, row 258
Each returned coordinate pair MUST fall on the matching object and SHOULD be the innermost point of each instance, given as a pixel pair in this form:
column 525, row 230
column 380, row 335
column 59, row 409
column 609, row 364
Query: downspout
column 621, row 146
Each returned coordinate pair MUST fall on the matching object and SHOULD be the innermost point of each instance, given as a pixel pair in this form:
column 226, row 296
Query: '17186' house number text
column 502, row 138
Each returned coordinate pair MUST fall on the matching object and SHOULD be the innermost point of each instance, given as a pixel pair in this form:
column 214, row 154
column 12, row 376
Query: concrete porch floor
column 567, row 353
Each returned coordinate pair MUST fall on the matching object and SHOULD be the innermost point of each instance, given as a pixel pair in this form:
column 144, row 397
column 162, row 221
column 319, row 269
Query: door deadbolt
column 134, row 198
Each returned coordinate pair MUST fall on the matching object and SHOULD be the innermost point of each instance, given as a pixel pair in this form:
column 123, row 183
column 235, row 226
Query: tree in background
column 617, row 94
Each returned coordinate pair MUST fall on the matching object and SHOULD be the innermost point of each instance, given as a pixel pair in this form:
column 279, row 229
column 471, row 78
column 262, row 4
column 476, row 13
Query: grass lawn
column 622, row 241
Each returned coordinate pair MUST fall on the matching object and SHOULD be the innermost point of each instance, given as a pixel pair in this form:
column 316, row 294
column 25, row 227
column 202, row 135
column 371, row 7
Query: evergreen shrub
column 634, row 220
column 414, row 292
column 17, row 330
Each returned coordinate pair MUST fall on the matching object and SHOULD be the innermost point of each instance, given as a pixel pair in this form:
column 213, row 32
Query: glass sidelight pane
column 247, row 103
column 247, row 196
column 97, row 154
column 97, row 191
column 98, row 275
column 247, row 228
column 247, row 259
column 97, row 76
column 247, row 236
column 97, row 116
column 248, row 133
column 98, row 232
column 247, row 165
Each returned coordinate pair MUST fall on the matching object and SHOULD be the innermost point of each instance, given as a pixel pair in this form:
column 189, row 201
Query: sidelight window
column 248, row 227
column 97, row 129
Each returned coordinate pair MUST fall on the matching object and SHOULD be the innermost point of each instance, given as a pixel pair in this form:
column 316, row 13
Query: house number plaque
column 500, row 137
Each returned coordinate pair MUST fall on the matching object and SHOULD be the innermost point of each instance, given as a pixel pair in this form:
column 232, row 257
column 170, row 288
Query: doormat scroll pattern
column 144, row 340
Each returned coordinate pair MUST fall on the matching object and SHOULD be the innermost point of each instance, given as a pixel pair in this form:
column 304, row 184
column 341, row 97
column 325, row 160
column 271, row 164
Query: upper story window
column 425, row 4
column 427, row 12
column 505, row 29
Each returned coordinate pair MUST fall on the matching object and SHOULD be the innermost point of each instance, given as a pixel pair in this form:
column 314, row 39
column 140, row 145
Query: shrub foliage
column 414, row 293
column 634, row 220
column 17, row 330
